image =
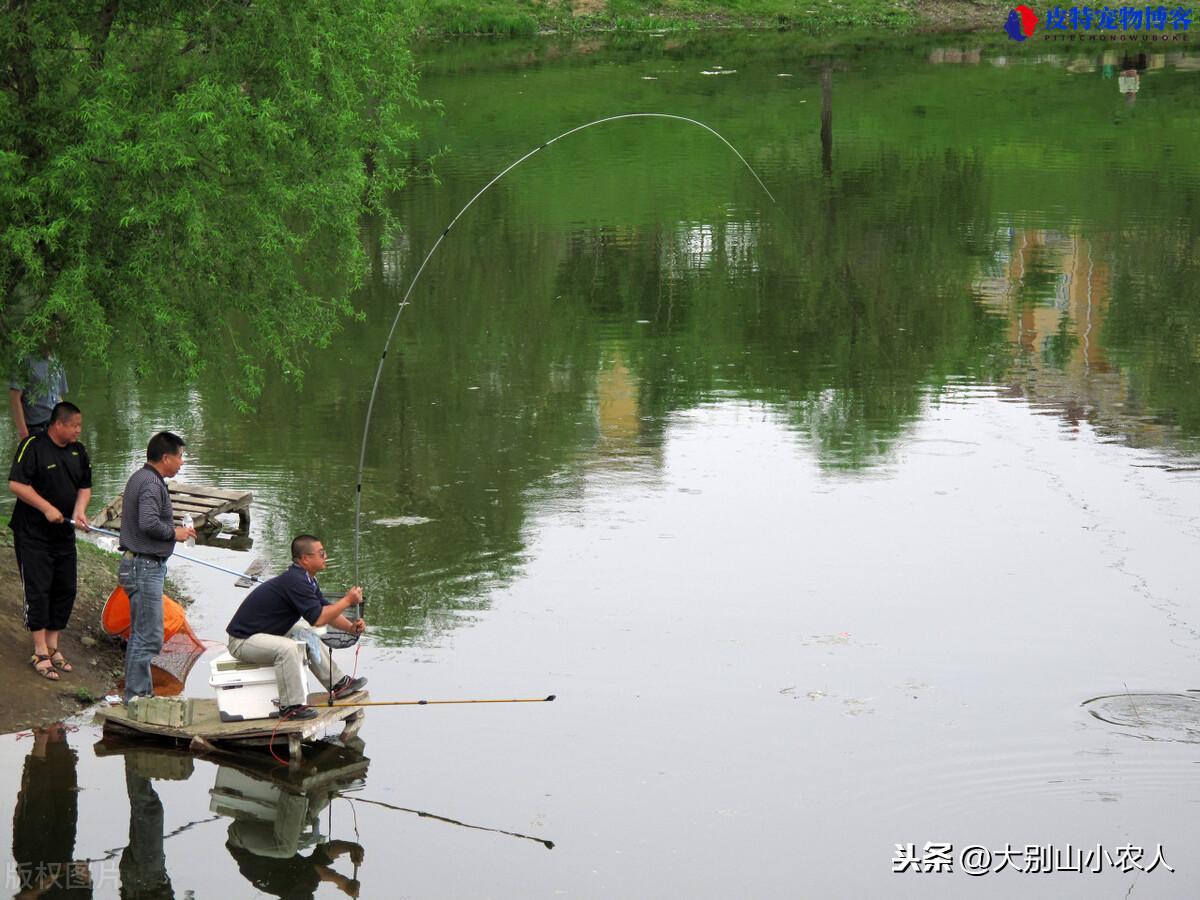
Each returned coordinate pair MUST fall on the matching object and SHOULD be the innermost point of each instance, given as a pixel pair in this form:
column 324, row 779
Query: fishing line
column 112, row 854
column 357, row 838
column 362, row 453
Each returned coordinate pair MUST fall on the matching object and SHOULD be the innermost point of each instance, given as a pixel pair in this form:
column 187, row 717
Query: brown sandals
column 49, row 672
column 61, row 663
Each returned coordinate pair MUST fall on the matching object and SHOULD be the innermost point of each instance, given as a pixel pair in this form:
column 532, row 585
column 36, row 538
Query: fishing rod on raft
column 335, row 639
column 330, row 640
column 245, row 576
column 203, row 562
column 362, row 452
column 548, row 699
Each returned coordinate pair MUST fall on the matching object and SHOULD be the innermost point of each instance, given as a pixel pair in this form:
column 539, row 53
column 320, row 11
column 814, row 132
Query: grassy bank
column 433, row 18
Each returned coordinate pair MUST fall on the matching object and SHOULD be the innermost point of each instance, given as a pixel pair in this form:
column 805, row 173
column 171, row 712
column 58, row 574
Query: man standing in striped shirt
column 148, row 538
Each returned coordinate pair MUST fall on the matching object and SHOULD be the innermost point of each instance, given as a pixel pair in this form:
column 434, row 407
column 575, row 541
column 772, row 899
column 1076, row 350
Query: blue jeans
column 142, row 578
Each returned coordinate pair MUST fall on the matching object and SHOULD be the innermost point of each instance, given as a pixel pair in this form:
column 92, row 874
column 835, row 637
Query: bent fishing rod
column 362, row 452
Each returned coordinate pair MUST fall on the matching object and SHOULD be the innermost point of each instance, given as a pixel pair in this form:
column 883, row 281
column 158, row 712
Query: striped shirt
column 147, row 526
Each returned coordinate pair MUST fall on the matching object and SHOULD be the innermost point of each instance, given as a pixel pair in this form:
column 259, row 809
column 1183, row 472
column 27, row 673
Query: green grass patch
column 502, row 18
column 515, row 18
column 84, row 696
column 808, row 15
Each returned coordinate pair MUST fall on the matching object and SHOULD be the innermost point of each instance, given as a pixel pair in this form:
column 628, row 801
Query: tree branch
column 103, row 27
column 24, row 77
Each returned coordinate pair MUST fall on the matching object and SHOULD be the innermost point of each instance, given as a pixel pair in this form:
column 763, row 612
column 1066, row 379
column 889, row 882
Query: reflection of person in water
column 297, row 876
column 267, row 852
column 1129, row 81
column 143, row 862
column 44, row 822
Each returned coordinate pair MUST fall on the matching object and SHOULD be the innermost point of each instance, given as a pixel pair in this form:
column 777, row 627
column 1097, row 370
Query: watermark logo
column 1101, row 23
column 1021, row 23
column 977, row 860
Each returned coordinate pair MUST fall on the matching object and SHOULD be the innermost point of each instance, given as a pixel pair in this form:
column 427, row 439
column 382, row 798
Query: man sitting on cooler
column 261, row 631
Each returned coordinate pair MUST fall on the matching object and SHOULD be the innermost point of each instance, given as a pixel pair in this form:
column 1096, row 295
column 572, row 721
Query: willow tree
column 182, row 183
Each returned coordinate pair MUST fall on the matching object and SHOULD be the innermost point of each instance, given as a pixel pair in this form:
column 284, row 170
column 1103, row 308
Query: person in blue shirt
column 36, row 386
column 260, row 631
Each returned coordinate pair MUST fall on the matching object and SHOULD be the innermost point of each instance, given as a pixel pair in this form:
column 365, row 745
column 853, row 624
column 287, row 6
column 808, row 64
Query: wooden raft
column 207, row 732
column 203, row 504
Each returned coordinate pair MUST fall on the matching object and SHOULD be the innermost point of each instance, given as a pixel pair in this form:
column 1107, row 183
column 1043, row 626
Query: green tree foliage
column 183, row 183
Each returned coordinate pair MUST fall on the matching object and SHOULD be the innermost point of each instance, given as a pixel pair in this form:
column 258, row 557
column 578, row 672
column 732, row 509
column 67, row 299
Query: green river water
column 855, row 518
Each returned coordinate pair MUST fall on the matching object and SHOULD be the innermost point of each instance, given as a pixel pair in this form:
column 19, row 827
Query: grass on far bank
column 526, row 17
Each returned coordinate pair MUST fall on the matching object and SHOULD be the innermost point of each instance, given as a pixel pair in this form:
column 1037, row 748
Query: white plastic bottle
column 187, row 523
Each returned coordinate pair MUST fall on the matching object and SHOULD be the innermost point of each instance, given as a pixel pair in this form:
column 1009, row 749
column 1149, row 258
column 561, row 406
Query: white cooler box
column 245, row 690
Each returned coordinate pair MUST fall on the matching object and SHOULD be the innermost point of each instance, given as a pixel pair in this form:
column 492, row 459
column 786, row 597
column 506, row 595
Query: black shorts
column 47, row 580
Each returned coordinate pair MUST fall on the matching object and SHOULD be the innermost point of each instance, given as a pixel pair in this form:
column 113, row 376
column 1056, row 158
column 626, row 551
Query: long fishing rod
column 443, row 702
column 203, row 562
column 362, row 453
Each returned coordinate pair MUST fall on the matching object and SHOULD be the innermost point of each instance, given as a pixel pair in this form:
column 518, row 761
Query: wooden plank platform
column 208, row 732
column 204, row 504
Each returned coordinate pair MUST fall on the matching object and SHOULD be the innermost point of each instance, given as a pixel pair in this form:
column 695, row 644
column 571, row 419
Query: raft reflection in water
column 275, row 813
column 274, row 820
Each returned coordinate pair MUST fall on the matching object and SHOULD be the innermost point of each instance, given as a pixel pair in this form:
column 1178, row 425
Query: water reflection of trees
column 1102, row 328
column 1153, row 327
column 855, row 307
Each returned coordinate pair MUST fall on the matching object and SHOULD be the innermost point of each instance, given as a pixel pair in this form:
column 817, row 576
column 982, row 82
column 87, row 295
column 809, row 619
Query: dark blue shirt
column 274, row 606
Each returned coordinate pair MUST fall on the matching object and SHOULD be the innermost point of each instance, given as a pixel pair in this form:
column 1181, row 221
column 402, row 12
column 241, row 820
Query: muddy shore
column 27, row 699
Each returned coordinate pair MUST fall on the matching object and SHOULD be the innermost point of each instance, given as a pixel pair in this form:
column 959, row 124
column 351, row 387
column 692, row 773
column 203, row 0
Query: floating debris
column 858, row 706
column 718, row 70
column 402, row 520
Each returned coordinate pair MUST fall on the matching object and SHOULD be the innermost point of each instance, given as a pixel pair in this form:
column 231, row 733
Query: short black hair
column 63, row 411
column 302, row 545
column 162, row 444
